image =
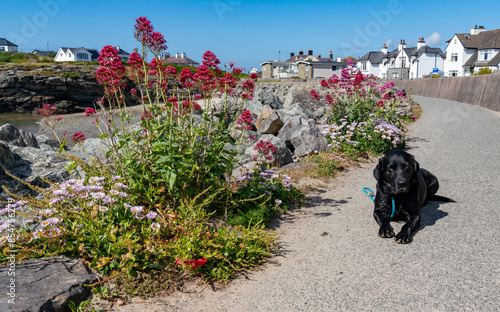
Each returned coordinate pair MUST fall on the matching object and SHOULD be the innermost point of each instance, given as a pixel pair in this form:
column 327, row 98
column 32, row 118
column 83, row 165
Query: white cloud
column 434, row 39
column 389, row 43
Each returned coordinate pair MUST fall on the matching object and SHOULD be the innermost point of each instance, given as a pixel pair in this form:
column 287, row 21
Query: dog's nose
column 401, row 183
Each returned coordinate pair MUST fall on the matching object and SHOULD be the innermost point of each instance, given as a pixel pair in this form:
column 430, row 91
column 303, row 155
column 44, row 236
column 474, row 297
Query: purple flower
column 151, row 215
column 136, row 209
column 155, row 226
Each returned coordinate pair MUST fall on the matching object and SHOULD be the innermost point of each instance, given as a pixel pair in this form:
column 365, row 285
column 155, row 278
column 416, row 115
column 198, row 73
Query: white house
column 303, row 66
column 403, row 62
column 467, row 53
column 76, row 55
column 7, row 46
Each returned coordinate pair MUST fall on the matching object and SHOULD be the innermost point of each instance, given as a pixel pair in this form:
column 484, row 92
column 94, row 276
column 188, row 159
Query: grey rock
column 307, row 139
column 269, row 122
column 291, row 125
column 296, row 109
column 7, row 159
column 269, row 99
column 45, row 284
column 254, row 107
column 282, row 157
column 15, row 136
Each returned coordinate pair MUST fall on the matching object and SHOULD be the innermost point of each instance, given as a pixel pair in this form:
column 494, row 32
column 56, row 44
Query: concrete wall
column 480, row 90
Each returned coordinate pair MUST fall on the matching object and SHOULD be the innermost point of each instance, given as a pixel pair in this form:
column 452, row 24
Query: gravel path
column 331, row 258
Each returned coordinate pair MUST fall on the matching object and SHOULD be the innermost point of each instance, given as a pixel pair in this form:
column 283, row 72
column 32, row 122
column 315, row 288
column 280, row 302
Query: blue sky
column 247, row 32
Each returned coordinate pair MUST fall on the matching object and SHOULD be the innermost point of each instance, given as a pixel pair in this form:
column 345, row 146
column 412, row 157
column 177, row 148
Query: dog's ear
column 377, row 172
column 416, row 166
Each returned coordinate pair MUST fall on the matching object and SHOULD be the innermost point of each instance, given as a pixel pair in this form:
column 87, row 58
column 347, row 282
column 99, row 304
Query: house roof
column 428, row 50
column 43, row 53
column 484, row 40
column 473, row 60
column 5, row 42
column 181, row 61
column 373, row 57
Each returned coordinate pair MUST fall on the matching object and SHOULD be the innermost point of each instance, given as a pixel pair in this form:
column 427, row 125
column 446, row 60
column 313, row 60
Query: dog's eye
column 390, row 167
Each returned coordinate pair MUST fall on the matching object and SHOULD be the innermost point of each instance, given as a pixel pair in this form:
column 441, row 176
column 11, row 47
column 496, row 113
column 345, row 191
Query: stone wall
column 480, row 90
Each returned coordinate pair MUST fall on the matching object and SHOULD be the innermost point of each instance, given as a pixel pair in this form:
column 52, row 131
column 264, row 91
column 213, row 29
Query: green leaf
column 61, row 148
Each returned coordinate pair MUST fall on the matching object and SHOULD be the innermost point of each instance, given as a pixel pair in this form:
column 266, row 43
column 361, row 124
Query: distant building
column 303, row 66
column 43, row 53
column 7, row 46
column 181, row 59
column 76, row 55
column 466, row 53
column 403, row 62
column 123, row 54
column 254, row 70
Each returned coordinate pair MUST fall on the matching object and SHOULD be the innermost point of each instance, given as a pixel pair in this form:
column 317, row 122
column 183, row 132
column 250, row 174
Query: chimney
column 319, row 55
column 384, row 49
column 477, row 30
column 118, row 48
column 310, row 52
column 331, row 55
column 177, row 55
column 402, row 45
column 420, row 43
column 292, row 54
column 301, row 52
column 339, row 59
column 183, row 55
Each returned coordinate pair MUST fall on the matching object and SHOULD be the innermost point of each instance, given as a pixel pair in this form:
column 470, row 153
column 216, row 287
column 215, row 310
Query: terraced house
column 303, row 66
column 413, row 62
column 466, row 53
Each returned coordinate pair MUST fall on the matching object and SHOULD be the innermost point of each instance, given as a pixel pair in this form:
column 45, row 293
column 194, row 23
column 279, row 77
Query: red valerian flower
column 254, row 77
column 193, row 263
column 328, row 99
column 245, row 120
column 314, row 95
column 387, row 96
column 90, row 111
column 264, row 148
column 210, row 60
column 78, row 137
column 46, row 110
column 358, row 79
column 324, row 84
column 380, row 104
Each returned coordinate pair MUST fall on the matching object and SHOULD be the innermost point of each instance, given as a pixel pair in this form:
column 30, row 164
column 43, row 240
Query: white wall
column 425, row 64
column 455, row 46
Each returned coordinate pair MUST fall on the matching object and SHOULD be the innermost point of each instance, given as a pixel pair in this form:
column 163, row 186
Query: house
column 7, row 46
column 369, row 64
column 303, row 66
column 403, row 62
column 43, row 53
column 122, row 54
column 466, row 53
column 181, row 59
column 76, row 55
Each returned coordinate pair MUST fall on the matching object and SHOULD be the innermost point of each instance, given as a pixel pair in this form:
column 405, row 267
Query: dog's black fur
column 399, row 175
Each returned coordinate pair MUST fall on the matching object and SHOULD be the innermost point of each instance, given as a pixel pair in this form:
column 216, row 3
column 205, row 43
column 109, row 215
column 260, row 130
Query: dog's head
column 395, row 172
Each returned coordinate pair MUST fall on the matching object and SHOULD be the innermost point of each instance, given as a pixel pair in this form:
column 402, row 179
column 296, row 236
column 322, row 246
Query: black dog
column 401, row 180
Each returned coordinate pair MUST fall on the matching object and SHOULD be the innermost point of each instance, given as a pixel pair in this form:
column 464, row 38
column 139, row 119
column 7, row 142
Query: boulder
column 269, row 122
column 254, row 107
column 45, row 284
column 282, row 157
column 269, row 99
column 18, row 137
column 296, row 109
column 307, row 139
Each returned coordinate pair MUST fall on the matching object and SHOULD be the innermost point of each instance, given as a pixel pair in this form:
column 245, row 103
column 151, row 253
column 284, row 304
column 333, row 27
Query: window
column 264, row 68
column 453, row 73
column 363, row 65
column 82, row 56
column 454, row 57
column 307, row 67
column 485, row 55
column 395, row 76
column 403, row 62
column 334, row 68
column 2, row 48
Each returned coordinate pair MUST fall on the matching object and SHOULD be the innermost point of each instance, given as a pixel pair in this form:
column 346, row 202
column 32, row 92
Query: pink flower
column 254, row 76
column 314, row 95
column 78, row 137
column 46, row 110
column 245, row 120
column 90, row 111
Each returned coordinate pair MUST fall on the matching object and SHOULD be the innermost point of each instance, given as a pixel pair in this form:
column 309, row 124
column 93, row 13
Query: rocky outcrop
column 45, row 284
column 69, row 88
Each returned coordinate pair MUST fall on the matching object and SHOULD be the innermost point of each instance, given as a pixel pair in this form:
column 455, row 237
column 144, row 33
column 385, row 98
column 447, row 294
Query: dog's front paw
column 386, row 231
column 403, row 237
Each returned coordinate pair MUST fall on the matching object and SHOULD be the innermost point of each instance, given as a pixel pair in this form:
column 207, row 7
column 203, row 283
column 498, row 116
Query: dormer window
column 467, row 37
column 485, row 55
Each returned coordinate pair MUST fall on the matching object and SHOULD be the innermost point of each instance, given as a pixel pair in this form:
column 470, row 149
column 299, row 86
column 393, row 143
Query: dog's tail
column 441, row 199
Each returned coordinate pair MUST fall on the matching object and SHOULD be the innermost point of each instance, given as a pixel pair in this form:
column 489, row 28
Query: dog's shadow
column 430, row 214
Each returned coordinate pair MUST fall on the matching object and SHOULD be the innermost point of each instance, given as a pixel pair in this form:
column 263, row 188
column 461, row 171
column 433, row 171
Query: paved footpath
column 453, row 263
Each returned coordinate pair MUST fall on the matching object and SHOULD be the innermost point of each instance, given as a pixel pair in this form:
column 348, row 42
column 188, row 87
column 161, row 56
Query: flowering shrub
column 361, row 116
column 146, row 206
